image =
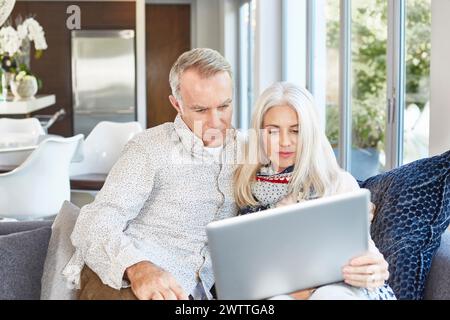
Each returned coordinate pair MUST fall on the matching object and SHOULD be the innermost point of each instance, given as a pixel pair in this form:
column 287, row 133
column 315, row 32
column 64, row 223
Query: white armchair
column 40, row 185
column 103, row 147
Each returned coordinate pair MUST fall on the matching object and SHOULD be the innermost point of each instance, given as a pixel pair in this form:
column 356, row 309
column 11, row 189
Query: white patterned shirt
column 155, row 205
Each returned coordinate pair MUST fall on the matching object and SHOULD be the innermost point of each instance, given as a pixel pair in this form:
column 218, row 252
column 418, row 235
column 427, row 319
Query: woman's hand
column 367, row 271
column 289, row 199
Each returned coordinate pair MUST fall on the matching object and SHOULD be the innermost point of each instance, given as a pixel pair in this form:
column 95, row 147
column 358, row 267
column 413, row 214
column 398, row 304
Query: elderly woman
column 289, row 160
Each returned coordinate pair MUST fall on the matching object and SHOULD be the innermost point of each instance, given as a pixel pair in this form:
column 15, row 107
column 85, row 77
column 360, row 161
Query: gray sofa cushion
column 438, row 282
column 22, row 256
column 13, row 227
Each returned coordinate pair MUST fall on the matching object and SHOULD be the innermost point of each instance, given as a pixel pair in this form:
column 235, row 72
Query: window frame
column 245, row 67
column 396, row 90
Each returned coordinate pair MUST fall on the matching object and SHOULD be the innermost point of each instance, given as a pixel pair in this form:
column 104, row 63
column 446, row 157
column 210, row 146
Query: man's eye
column 294, row 131
column 224, row 107
column 200, row 110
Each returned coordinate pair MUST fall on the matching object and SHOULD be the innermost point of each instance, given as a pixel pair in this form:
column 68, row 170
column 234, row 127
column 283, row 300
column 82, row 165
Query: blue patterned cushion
column 413, row 210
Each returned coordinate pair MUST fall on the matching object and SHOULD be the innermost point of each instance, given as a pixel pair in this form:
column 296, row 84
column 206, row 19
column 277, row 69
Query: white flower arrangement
column 15, row 57
column 11, row 40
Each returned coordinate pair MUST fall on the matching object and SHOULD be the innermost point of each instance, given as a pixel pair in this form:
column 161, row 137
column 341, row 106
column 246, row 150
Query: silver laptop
column 283, row 250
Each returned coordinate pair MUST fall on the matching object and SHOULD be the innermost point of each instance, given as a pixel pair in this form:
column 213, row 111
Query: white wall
column 208, row 25
column 294, row 50
column 229, row 31
column 440, row 77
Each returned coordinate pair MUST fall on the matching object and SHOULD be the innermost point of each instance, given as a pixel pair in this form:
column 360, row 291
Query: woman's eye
column 295, row 131
column 273, row 131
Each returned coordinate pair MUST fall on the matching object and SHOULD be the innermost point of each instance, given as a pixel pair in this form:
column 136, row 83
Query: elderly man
column 144, row 236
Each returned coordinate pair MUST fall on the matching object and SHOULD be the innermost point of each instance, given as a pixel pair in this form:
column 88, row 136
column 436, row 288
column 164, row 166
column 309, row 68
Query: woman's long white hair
column 316, row 171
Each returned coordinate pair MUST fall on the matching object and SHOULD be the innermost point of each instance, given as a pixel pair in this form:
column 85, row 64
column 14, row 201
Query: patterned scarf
column 270, row 187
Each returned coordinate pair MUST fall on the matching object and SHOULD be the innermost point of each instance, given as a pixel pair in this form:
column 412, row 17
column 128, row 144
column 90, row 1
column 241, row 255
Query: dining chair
column 103, row 146
column 39, row 186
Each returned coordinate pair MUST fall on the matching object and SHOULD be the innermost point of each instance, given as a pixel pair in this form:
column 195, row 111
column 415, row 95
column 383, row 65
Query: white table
column 15, row 148
column 26, row 107
column 17, row 140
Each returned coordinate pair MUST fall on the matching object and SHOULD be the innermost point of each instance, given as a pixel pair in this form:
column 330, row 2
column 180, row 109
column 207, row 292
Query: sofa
column 30, row 240
column 410, row 229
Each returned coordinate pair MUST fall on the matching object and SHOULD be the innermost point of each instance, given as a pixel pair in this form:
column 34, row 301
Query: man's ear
column 174, row 102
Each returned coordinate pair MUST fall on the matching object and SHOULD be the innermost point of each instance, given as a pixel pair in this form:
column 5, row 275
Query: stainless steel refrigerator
column 103, row 77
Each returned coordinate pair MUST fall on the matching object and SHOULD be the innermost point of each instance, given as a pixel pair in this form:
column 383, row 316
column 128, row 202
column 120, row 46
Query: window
column 367, row 83
column 367, row 63
column 369, row 30
column 379, row 77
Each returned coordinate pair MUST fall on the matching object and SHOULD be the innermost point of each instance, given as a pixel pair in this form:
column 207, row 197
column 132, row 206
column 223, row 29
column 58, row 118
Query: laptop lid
column 283, row 250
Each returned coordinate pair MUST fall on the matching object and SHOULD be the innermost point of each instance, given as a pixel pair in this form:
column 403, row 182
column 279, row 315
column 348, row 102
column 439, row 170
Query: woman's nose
column 285, row 140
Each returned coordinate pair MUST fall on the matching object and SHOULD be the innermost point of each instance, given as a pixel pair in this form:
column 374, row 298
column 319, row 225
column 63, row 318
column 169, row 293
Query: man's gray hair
column 207, row 62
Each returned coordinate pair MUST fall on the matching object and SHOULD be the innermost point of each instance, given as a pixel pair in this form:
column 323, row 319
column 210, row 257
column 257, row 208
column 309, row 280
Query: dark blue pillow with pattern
column 412, row 211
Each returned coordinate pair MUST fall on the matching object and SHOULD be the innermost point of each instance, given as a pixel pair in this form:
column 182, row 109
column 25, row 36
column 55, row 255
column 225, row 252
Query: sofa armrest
column 438, row 282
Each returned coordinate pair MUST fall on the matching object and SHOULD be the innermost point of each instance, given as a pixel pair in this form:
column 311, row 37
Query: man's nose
column 214, row 119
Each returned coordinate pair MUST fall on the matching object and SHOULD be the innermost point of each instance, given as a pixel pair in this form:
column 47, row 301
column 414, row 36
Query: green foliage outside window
column 369, row 49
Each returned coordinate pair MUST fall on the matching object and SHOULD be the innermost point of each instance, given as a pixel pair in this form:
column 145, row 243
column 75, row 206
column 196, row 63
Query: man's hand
column 149, row 282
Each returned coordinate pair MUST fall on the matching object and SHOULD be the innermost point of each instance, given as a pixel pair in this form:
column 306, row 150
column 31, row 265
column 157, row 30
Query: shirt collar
column 194, row 144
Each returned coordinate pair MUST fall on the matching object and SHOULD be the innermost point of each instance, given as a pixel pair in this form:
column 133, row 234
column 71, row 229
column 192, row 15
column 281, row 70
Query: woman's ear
column 174, row 102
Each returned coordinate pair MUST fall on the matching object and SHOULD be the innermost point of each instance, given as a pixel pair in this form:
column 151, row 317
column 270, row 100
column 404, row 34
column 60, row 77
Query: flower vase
column 25, row 88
